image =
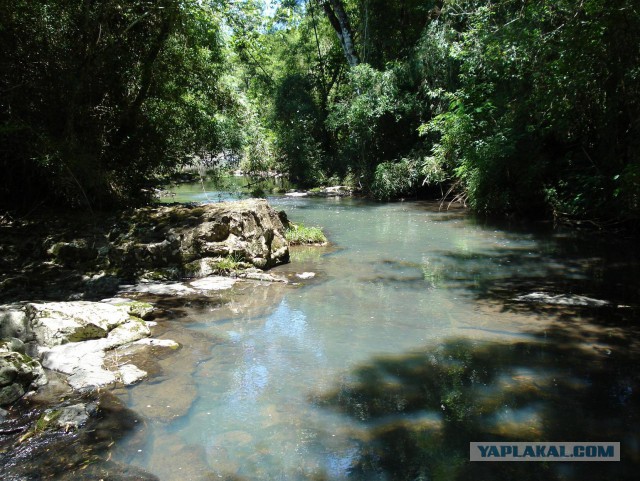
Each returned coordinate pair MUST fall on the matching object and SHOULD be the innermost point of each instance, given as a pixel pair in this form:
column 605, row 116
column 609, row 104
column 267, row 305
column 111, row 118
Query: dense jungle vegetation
column 514, row 106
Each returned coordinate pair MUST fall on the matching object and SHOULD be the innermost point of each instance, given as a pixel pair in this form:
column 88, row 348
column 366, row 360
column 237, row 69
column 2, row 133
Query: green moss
column 47, row 419
column 196, row 212
column 137, row 308
column 87, row 332
column 298, row 234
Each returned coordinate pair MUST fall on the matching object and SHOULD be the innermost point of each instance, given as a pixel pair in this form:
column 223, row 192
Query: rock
column 100, row 284
column 134, row 308
column 72, row 417
column 130, row 374
column 12, row 345
column 213, row 283
column 184, row 237
column 335, row 191
column 284, row 219
column 296, row 194
column 203, row 267
column 306, row 275
column 84, row 361
column 56, row 323
column 197, row 287
column 160, row 289
column 18, row 374
column 562, row 300
column 72, row 337
column 70, row 252
column 258, row 275
column 14, row 322
column 126, row 333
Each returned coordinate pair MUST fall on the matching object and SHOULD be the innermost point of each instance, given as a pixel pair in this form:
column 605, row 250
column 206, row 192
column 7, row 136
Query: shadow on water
column 576, row 380
column 420, row 411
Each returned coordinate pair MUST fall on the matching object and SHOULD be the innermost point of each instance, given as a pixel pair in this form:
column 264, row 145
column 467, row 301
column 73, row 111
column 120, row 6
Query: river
column 406, row 345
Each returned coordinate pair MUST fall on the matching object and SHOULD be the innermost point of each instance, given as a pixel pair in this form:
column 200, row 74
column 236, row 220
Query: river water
column 406, row 345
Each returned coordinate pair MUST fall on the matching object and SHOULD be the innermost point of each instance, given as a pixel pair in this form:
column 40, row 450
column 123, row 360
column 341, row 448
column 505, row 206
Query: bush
column 393, row 180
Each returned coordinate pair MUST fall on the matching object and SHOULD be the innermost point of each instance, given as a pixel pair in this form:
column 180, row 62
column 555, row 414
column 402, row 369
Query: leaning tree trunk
column 340, row 23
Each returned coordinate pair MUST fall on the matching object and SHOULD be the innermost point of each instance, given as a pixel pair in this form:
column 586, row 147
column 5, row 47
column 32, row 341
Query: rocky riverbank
column 56, row 356
column 88, row 256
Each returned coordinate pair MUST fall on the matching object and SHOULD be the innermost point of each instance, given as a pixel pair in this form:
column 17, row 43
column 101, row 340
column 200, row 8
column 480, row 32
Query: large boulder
column 194, row 238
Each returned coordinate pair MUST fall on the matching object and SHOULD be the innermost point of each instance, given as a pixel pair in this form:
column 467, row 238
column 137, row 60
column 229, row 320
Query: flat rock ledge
column 69, row 337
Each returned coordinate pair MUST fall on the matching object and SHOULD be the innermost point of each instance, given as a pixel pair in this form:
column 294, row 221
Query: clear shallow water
column 404, row 347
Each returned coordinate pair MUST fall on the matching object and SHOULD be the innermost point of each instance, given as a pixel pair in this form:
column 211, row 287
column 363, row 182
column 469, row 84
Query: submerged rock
column 130, row 374
column 561, row 299
column 69, row 440
column 74, row 416
column 306, row 275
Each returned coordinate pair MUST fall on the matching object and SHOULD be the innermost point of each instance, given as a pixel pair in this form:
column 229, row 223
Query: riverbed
column 406, row 344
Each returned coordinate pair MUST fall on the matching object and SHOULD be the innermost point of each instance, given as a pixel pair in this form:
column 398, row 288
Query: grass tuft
column 298, row 234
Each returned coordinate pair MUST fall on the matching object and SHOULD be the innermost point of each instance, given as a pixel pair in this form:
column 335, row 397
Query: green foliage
column 228, row 264
column 372, row 124
column 543, row 119
column 299, row 234
column 525, row 107
column 99, row 98
column 299, row 129
column 394, row 180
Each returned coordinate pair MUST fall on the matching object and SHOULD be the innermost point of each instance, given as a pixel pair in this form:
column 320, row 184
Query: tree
column 542, row 121
column 98, row 99
column 334, row 9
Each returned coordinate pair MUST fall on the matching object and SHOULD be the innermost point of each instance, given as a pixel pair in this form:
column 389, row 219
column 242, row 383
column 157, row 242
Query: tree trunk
column 340, row 23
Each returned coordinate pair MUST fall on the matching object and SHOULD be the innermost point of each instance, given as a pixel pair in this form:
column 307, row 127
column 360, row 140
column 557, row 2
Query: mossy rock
column 47, row 420
column 18, row 372
column 137, row 308
column 87, row 332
